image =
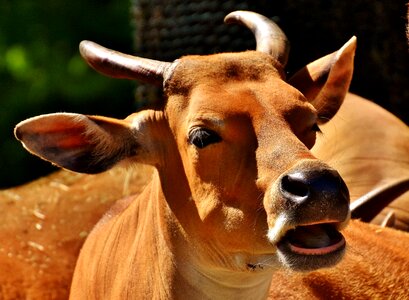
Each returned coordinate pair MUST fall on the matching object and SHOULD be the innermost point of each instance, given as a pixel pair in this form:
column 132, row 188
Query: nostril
column 294, row 186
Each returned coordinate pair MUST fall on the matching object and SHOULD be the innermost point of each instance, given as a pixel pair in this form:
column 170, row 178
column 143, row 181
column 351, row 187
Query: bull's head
column 230, row 145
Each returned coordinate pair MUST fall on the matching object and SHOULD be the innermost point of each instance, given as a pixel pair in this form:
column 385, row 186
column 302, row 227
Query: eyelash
column 202, row 137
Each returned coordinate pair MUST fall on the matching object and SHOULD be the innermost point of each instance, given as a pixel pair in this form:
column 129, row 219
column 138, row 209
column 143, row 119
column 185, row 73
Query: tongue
column 315, row 239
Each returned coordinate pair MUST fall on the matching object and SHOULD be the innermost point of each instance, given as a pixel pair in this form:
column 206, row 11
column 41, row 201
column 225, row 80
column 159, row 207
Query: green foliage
column 41, row 70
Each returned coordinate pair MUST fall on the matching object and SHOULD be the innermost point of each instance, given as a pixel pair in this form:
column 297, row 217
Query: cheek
column 226, row 177
column 229, row 168
column 207, row 164
column 235, row 229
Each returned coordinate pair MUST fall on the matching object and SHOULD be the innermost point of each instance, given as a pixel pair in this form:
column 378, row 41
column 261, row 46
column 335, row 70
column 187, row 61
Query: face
column 244, row 147
column 231, row 147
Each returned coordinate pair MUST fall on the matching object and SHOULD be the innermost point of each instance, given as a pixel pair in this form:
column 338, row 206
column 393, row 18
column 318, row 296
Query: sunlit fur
column 200, row 229
column 381, row 159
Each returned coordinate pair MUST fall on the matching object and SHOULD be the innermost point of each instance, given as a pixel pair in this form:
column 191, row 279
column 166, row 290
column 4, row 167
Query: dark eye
column 202, row 137
column 315, row 128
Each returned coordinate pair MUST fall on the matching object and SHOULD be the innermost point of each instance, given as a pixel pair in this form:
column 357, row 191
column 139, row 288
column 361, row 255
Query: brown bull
column 236, row 193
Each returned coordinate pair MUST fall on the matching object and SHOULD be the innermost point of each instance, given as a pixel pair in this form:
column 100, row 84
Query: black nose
column 315, row 193
column 295, row 187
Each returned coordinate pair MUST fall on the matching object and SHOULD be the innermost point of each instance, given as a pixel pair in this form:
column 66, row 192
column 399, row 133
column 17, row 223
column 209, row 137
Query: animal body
column 236, row 193
column 44, row 225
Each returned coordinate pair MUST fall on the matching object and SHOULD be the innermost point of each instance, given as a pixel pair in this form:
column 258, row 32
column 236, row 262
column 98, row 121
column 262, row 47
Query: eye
column 202, row 137
column 315, row 128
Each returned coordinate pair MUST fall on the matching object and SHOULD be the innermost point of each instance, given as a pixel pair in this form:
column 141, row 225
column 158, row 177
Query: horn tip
column 349, row 46
column 352, row 40
column 235, row 16
column 85, row 47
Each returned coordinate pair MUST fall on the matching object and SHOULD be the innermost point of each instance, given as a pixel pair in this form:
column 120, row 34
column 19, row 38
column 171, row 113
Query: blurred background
column 41, row 70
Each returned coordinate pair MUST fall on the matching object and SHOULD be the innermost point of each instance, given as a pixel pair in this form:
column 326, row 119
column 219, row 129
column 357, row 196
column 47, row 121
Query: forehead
column 230, row 83
column 225, row 67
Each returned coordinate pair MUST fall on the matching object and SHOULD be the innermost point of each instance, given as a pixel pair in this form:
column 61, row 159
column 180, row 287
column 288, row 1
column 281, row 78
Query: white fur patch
column 281, row 226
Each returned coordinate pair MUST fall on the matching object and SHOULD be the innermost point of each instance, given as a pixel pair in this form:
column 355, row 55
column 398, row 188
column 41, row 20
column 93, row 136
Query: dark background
column 41, row 70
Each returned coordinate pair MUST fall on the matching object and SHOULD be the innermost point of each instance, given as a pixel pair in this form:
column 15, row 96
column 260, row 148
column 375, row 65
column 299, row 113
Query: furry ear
column 86, row 144
column 325, row 82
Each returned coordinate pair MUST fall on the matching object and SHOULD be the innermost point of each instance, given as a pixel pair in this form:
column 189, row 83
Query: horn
column 119, row 65
column 269, row 37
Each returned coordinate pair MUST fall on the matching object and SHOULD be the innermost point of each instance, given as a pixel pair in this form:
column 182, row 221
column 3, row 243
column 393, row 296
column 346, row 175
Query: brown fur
column 44, row 224
column 367, row 271
column 215, row 220
column 376, row 266
column 194, row 222
column 223, row 67
column 370, row 148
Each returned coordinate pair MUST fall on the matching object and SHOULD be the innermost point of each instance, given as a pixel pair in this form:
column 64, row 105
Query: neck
column 211, row 283
column 203, row 271
column 157, row 258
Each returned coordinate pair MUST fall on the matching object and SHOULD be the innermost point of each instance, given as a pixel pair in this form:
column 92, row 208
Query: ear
column 86, row 144
column 326, row 81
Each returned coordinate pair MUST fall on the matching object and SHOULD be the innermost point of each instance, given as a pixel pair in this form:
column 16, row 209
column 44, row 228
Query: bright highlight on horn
column 269, row 37
column 119, row 65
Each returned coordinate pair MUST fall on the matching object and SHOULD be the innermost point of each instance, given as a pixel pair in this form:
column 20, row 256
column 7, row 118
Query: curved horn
column 119, row 65
column 269, row 37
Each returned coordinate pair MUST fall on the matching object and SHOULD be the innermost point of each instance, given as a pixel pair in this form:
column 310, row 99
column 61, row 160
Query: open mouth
column 310, row 247
column 318, row 239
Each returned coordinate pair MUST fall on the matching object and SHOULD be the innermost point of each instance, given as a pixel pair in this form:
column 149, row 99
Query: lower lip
column 302, row 259
column 317, row 251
